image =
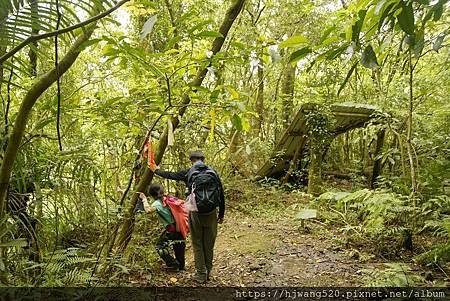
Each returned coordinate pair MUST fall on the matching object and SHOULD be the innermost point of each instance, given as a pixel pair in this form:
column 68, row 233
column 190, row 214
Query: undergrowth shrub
column 382, row 219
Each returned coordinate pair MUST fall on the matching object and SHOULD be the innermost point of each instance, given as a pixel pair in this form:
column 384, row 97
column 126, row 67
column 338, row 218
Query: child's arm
column 147, row 206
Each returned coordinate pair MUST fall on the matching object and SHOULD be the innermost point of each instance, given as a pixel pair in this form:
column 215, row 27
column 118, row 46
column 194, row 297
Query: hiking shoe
column 199, row 278
column 173, row 268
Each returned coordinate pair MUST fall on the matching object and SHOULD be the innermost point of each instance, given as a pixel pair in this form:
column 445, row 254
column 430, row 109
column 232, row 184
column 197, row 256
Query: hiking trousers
column 203, row 228
column 169, row 240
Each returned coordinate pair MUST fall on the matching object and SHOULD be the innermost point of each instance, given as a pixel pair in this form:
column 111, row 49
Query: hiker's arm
column 147, row 206
column 178, row 176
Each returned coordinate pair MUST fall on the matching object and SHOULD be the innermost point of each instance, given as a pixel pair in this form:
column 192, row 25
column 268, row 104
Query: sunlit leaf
column 293, row 41
column 306, row 214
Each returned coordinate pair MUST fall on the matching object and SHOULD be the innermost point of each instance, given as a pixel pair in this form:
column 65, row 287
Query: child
column 170, row 236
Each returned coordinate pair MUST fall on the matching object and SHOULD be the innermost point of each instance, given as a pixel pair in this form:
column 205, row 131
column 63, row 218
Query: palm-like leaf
column 22, row 19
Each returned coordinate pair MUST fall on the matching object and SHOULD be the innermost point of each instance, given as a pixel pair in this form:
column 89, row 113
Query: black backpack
column 204, row 182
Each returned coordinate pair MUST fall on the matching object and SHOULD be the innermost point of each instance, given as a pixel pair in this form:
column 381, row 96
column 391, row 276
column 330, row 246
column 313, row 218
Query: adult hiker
column 174, row 231
column 204, row 184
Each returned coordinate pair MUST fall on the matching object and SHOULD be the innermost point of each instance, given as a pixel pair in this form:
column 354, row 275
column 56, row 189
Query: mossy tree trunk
column 259, row 106
column 315, row 167
column 30, row 99
column 287, row 94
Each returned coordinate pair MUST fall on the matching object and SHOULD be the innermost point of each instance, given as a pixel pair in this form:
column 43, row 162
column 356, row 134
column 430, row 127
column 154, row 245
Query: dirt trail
column 258, row 252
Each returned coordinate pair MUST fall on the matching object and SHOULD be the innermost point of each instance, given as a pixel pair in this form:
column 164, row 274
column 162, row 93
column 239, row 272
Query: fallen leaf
column 173, row 279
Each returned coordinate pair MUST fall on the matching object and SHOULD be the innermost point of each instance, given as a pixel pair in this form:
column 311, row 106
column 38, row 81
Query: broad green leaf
column 369, row 58
column 89, row 43
column 299, row 54
column 334, row 53
column 214, row 96
column 172, row 42
column 294, row 41
column 210, row 34
column 438, row 10
column 326, row 34
column 419, row 43
column 148, row 26
column 237, row 122
column 233, row 92
column 245, row 124
column 380, row 6
column 356, row 28
column 406, row 18
column 306, row 214
column 350, row 72
column 14, row 243
column 386, row 13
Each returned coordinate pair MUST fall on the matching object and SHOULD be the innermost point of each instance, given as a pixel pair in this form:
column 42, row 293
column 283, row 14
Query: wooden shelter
column 291, row 145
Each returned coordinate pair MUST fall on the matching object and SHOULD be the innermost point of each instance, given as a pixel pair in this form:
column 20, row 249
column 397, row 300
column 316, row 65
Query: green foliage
column 319, row 122
column 396, row 274
column 137, row 68
column 69, row 267
column 372, row 216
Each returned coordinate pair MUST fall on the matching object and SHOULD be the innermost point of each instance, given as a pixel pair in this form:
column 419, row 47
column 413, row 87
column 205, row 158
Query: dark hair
column 197, row 155
column 156, row 191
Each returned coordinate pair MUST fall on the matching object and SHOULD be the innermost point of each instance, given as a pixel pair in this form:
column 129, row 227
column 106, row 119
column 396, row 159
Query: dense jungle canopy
column 328, row 122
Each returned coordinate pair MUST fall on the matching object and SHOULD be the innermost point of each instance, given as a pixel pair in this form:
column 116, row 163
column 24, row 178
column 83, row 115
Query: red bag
column 179, row 213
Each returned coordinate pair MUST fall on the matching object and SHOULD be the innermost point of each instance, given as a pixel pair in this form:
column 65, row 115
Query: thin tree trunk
column 128, row 224
column 409, row 132
column 287, row 94
column 315, row 168
column 377, row 164
column 25, row 109
column 259, row 107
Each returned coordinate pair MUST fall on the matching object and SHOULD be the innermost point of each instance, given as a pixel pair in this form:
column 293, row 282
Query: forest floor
column 253, row 251
column 262, row 244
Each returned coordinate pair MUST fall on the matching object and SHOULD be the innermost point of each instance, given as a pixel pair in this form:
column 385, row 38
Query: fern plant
column 66, row 268
column 396, row 274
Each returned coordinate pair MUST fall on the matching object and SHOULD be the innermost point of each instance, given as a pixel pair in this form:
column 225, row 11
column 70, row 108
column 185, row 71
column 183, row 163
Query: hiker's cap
column 196, row 155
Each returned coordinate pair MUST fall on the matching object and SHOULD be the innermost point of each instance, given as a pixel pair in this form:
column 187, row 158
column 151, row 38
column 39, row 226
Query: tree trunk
column 287, row 94
column 128, row 223
column 259, row 106
column 315, row 168
column 409, row 132
column 377, row 164
column 23, row 114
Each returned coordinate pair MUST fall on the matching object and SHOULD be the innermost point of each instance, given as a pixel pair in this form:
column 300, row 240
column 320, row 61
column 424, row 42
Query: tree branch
column 38, row 37
column 30, row 99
